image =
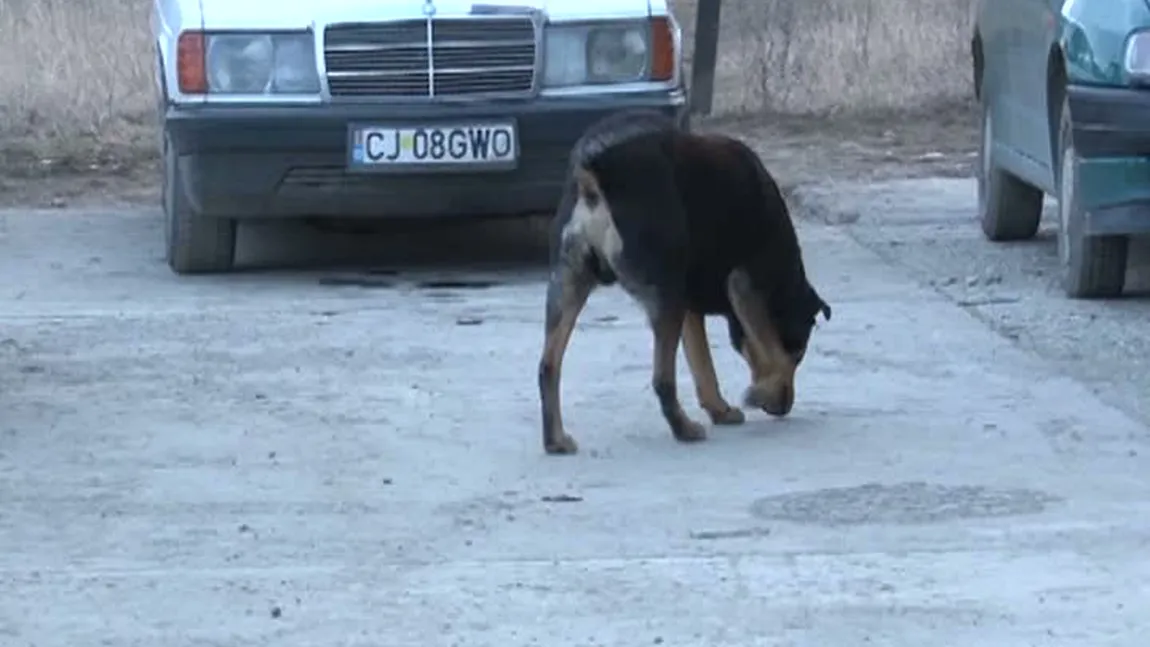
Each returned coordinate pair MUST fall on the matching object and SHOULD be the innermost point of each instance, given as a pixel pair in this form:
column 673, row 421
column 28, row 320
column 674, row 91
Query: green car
column 1064, row 90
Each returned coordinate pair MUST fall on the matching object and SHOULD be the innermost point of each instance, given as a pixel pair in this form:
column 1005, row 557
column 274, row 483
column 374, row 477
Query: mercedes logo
column 428, row 8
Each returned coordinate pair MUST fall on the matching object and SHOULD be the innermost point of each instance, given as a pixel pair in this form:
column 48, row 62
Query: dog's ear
column 815, row 300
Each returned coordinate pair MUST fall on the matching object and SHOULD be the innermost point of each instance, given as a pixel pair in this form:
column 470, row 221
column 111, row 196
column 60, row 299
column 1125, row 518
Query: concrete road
column 329, row 458
column 927, row 229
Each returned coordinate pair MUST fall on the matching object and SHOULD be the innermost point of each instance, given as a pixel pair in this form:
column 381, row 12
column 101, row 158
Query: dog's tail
column 610, row 131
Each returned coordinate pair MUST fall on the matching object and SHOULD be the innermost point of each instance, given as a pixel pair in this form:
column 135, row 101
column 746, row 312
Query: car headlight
column 240, row 64
column 1137, row 59
column 608, row 53
column 248, row 63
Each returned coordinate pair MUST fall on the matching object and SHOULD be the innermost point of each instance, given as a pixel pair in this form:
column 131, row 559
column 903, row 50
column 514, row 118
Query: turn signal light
column 190, row 63
column 663, row 49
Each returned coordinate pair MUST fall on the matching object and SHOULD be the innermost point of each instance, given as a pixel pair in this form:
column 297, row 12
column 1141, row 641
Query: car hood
column 295, row 14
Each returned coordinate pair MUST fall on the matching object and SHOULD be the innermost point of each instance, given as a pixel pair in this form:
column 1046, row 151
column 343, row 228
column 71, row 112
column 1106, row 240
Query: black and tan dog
column 689, row 225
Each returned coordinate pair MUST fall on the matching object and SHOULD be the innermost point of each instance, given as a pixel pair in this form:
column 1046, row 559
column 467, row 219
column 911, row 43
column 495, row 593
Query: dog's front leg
column 667, row 326
column 702, row 365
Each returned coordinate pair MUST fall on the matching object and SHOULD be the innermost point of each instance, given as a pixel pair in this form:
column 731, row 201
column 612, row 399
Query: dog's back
column 702, row 202
column 736, row 216
column 690, row 208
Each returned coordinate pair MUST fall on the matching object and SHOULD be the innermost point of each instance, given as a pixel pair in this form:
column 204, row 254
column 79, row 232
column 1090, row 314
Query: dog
column 689, row 225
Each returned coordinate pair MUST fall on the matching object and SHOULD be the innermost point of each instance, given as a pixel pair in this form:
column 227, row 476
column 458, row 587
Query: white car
column 389, row 108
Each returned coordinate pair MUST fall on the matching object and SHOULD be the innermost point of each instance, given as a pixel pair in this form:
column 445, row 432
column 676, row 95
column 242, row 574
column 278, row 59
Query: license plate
column 472, row 146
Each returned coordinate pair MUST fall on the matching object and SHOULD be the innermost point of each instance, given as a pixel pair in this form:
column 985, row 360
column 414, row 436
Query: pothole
column 901, row 503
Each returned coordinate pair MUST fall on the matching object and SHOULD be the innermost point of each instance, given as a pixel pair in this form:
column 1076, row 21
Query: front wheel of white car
column 194, row 244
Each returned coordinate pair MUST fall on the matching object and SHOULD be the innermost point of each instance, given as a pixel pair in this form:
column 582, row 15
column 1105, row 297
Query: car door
column 1012, row 35
column 1038, row 25
column 996, row 32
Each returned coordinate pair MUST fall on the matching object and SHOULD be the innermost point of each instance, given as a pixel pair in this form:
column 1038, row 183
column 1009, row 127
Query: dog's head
column 795, row 317
column 774, row 343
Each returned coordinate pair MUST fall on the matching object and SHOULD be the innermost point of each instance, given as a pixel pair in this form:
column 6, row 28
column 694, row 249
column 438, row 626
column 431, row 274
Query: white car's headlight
column 1137, row 59
column 240, row 64
column 605, row 53
column 248, row 63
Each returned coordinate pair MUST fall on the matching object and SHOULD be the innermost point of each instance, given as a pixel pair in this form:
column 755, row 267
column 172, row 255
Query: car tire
column 1092, row 266
column 1008, row 208
column 194, row 244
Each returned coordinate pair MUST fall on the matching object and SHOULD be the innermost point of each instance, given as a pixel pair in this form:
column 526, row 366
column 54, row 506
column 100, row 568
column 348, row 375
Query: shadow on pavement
column 374, row 248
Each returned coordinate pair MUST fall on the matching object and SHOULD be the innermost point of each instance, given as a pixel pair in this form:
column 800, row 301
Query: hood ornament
column 428, row 8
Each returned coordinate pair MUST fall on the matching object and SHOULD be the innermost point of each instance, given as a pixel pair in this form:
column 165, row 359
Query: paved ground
column 330, row 458
column 926, row 229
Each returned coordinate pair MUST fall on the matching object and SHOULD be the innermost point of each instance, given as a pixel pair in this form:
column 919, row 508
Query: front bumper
column 287, row 161
column 1109, row 121
column 1112, row 136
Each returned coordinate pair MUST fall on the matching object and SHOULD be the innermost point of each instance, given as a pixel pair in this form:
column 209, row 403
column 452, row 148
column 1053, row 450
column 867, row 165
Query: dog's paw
column 561, row 445
column 689, row 431
column 728, row 416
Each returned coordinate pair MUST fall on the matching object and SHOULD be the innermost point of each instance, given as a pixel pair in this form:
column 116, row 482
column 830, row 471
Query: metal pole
column 706, row 56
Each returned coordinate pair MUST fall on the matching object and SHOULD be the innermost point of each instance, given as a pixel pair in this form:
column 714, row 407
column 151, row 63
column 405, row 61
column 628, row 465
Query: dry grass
column 833, row 56
column 76, row 75
column 76, row 79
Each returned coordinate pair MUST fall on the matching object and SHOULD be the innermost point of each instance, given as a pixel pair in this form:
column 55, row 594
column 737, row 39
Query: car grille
column 435, row 57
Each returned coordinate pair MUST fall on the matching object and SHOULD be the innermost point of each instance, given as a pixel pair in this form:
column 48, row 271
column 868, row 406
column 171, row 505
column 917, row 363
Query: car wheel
column 1008, row 208
column 194, row 244
column 1092, row 266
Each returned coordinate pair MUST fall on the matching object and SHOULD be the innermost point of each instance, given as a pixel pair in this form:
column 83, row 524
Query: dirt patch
column 52, row 187
column 940, row 141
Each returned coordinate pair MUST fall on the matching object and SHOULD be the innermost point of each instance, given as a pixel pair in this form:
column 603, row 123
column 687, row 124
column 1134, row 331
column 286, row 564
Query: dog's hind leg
column 667, row 326
column 772, row 369
column 571, row 283
column 699, row 360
